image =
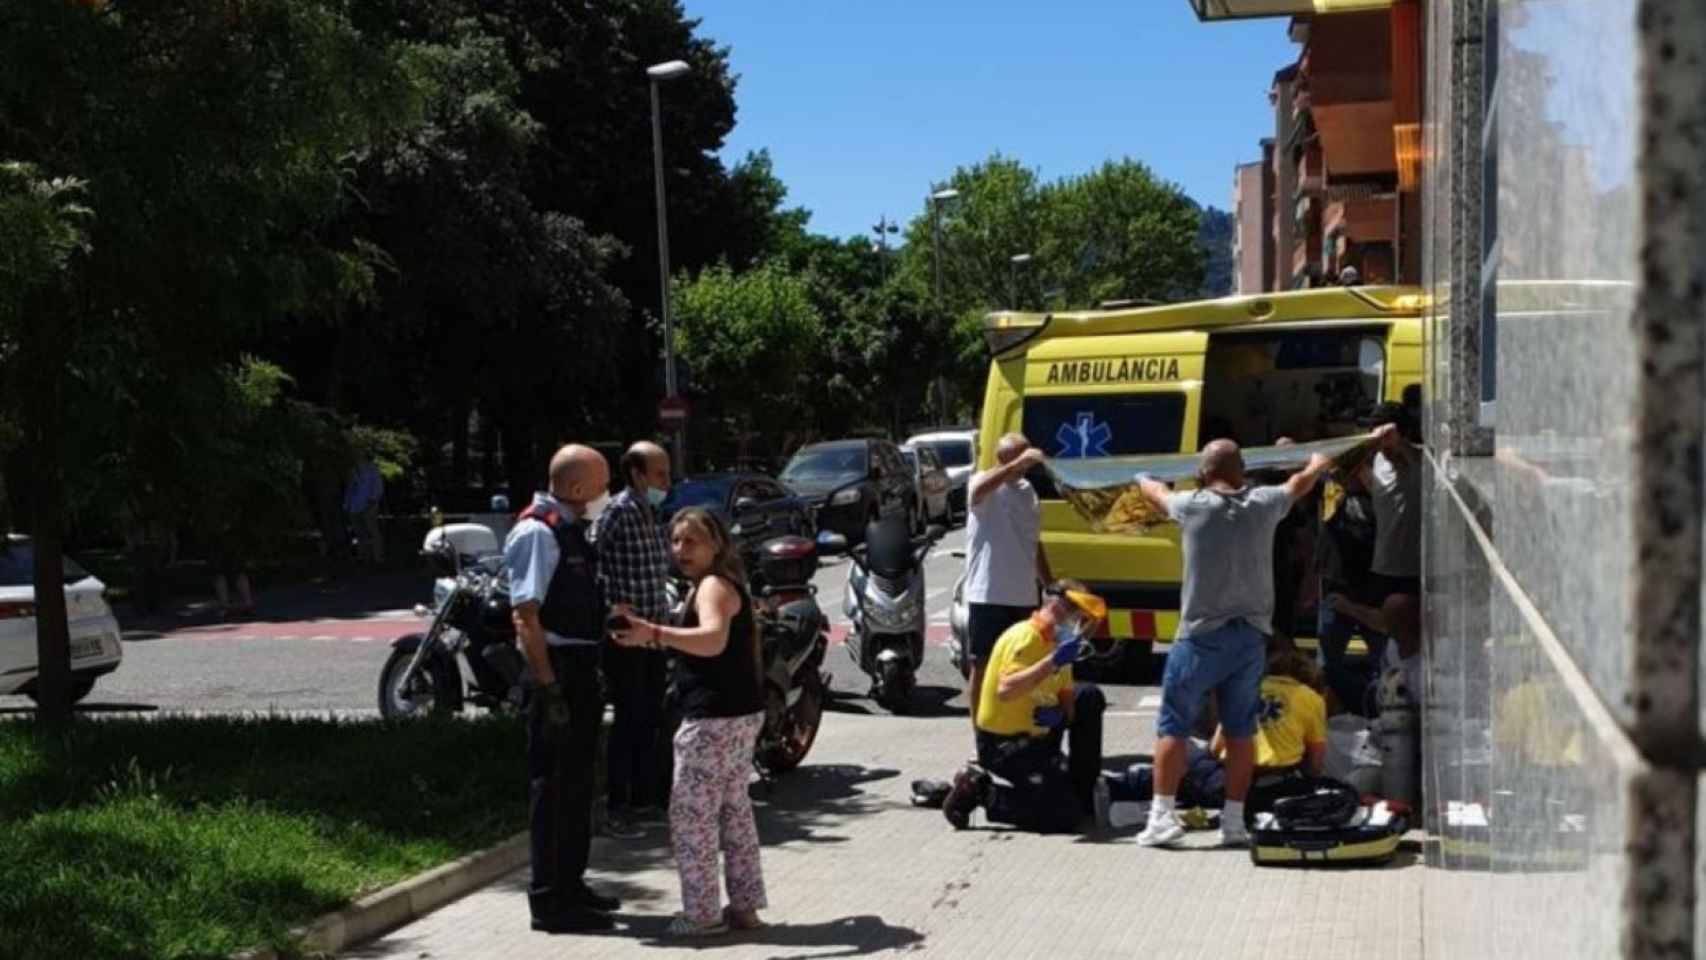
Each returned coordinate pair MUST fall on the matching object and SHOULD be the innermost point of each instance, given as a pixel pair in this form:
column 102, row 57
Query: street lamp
column 938, row 198
column 883, row 228
column 656, row 74
column 1014, row 262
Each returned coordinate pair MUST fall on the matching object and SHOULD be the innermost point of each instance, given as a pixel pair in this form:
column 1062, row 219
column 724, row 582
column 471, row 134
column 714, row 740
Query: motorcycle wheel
column 801, row 722
column 894, row 686
column 429, row 691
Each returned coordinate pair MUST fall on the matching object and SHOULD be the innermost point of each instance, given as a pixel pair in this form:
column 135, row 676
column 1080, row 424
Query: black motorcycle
column 470, row 620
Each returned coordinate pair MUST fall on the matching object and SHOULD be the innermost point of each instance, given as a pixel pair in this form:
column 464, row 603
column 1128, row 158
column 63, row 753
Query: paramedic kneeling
column 1029, row 704
column 1225, row 619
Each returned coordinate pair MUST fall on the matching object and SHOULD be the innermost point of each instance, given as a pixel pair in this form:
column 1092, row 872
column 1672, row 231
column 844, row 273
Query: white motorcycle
column 885, row 606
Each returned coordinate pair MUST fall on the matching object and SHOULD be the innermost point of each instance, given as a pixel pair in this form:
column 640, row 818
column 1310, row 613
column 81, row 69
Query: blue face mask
column 1068, row 632
column 656, row 497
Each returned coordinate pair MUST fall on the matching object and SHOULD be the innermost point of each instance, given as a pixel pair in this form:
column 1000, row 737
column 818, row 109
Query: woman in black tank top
column 717, row 678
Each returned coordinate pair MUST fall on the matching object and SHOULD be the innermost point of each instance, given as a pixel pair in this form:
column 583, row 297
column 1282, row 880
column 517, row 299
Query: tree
column 1118, row 232
column 1215, row 238
column 214, row 142
column 754, row 336
column 43, row 227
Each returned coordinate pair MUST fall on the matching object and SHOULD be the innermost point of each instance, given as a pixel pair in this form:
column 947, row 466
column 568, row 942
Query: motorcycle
column 793, row 640
column 470, row 620
column 885, row 605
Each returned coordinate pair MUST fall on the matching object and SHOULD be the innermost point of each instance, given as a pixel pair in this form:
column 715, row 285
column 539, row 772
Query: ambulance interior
column 1302, row 384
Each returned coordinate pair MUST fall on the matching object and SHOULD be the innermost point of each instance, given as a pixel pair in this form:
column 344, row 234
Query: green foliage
column 42, row 224
column 1215, row 237
column 749, row 339
column 201, row 837
column 1115, row 233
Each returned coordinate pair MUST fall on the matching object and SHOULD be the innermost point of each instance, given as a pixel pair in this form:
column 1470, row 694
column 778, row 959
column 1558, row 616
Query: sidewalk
column 853, row 870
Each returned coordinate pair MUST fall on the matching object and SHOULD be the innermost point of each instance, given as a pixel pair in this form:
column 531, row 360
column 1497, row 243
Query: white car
column 935, row 490
column 957, row 449
column 95, row 649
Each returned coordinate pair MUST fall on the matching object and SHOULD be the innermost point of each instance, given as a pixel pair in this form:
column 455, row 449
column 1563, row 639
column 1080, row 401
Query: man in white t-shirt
column 1004, row 555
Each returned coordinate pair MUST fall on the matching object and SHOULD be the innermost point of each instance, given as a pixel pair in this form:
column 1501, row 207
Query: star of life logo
column 1085, row 436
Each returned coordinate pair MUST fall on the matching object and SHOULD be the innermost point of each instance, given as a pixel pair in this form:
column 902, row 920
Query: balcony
column 1361, row 221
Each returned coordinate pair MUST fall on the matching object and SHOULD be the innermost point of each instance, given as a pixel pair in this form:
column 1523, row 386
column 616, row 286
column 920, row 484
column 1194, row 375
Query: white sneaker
column 1164, row 830
column 1233, row 833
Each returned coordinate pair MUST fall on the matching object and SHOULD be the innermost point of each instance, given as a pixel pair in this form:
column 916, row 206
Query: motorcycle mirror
column 831, row 544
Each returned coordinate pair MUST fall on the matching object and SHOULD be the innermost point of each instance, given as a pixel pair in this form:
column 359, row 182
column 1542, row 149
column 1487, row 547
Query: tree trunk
column 43, row 357
column 459, row 465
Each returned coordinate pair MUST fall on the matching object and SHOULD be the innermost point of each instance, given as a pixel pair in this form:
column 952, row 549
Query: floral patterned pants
column 710, row 813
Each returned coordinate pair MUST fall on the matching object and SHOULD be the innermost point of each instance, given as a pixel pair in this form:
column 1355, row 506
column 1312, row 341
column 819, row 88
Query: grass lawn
column 200, row 837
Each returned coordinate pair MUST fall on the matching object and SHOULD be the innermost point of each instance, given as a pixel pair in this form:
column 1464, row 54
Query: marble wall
column 1566, row 212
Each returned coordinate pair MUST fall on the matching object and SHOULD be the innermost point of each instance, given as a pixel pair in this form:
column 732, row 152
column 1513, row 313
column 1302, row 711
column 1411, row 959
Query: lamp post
column 657, row 74
column 1014, row 262
column 936, row 200
column 883, row 228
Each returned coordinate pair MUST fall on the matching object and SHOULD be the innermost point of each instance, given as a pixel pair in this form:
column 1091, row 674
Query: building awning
column 1243, row 9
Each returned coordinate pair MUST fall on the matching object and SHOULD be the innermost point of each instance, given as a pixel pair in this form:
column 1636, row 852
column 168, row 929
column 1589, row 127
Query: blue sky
column 863, row 102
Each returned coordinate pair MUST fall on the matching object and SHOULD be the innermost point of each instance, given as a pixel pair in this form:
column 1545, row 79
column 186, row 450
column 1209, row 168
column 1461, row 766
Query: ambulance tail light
column 1006, row 330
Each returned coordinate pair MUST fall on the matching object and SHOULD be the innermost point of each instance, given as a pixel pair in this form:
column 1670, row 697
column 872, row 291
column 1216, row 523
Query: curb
column 385, row 910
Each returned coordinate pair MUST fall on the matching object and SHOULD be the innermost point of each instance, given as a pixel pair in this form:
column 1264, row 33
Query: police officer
column 559, row 616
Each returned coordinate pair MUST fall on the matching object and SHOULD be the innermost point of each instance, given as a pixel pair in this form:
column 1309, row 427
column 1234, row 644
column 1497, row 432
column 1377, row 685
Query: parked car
column 851, row 483
column 95, row 649
column 957, row 449
column 755, row 506
column 932, row 482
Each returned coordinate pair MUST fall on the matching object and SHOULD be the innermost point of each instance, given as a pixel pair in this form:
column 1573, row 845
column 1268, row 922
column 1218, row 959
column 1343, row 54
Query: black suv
column 853, row 482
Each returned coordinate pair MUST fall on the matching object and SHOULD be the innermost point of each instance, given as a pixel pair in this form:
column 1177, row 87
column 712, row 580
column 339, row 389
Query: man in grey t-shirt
column 1225, row 619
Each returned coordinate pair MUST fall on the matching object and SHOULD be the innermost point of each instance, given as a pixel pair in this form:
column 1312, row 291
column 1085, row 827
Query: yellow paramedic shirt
column 1291, row 716
column 1020, row 647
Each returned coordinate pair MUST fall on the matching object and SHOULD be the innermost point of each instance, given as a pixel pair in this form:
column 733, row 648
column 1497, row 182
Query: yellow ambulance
column 1165, row 379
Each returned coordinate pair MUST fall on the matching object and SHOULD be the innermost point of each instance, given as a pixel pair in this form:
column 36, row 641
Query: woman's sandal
column 735, row 923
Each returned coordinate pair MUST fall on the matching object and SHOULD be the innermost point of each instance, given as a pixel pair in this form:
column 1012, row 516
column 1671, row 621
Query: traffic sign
column 672, row 410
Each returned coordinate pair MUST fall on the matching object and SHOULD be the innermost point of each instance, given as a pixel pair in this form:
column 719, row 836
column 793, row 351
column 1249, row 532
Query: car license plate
column 85, row 648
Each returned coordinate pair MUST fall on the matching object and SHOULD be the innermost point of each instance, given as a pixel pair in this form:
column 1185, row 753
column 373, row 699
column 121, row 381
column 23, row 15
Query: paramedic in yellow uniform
column 1291, row 730
column 1029, row 705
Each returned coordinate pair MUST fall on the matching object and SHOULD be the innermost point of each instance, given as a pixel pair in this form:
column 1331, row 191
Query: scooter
column 885, row 605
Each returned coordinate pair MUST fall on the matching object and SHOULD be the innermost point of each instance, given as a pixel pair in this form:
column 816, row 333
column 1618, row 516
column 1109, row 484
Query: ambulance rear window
column 1109, row 425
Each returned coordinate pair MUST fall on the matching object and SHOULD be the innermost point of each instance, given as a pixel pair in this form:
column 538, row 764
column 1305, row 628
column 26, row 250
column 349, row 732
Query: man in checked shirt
column 633, row 564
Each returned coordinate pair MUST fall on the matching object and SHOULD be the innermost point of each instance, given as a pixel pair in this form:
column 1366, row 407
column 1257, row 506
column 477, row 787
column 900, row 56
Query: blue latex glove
column 1048, row 717
column 1067, row 643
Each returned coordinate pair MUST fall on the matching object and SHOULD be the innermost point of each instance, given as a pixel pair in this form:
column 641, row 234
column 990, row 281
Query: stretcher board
column 1104, row 490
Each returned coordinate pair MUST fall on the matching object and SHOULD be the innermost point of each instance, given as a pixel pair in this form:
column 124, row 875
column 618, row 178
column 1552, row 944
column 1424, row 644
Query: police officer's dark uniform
column 560, row 761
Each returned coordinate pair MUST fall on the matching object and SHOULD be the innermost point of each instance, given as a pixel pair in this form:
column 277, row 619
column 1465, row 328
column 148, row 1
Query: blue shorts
column 1227, row 661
